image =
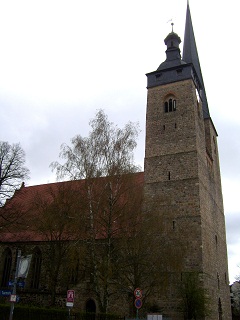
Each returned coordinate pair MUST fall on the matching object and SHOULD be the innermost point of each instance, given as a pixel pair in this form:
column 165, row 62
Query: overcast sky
column 60, row 61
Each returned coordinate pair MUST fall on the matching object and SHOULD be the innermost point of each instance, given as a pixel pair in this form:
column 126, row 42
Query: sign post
column 138, row 300
column 13, row 297
column 70, row 301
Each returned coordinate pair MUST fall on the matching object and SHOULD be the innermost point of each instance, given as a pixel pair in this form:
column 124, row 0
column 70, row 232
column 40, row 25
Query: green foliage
column 195, row 299
column 35, row 313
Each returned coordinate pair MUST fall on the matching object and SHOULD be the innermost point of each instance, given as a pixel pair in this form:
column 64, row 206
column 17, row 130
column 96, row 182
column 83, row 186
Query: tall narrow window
column 7, row 258
column 36, row 268
column 170, row 105
column 166, row 106
column 73, row 274
column 174, row 105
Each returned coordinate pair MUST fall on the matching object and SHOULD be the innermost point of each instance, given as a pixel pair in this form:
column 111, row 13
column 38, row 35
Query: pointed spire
column 190, row 55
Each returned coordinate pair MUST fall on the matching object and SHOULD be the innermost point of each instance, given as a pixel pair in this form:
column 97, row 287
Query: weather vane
column 172, row 24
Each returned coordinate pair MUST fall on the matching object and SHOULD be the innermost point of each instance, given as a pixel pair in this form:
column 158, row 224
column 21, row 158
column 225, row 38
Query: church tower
column 183, row 184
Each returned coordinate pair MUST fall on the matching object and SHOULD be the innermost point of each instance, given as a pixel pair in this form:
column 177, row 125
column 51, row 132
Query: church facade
column 181, row 189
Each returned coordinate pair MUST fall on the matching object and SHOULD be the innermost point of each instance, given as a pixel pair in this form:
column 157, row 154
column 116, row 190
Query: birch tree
column 105, row 160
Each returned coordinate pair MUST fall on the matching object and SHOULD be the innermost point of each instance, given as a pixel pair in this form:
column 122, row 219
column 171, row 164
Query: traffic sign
column 70, row 296
column 21, row 284
column 13, row 298
column 69, row 304
column 138, row 303
column 138, row 293
column 5, row 293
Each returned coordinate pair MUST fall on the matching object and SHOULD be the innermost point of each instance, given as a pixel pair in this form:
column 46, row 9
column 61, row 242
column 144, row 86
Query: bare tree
column 12, row 169
column 107, row 152
column 57, row 221
column 238, row 276
column 111, row 216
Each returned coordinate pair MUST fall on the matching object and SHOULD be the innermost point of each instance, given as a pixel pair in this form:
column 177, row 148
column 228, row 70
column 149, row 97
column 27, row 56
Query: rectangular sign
column 70, row 296
column 13, row 298
column 5, row 293
column 154, row 317
column 21, row 284
column 69, row 304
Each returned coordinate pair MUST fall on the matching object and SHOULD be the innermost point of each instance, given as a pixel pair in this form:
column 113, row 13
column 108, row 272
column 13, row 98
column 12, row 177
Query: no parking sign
column 138, row 303
column 138, row 296
column 70, row 298
column 138, row 293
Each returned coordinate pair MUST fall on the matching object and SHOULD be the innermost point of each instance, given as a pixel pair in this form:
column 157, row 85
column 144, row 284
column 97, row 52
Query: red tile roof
column 23, row 205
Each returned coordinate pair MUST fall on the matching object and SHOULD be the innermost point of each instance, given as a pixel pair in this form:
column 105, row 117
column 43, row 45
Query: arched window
column 73, row 273
column 7, row 264
column 166, row 106
column 170, row 105
column 90, row 306
column 36, row 268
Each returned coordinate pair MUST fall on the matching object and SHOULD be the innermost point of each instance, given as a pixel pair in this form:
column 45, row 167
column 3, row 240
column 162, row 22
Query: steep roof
column 190, row 55
column 26, row 203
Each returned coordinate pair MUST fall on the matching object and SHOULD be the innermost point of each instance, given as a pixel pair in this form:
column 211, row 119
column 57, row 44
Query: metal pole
column 15, row 283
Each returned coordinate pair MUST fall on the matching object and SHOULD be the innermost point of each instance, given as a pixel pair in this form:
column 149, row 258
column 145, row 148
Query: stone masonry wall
column 183, row 185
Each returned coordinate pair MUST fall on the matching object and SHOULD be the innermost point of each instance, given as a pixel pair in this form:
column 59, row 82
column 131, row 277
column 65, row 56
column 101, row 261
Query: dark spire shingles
column 190, row 55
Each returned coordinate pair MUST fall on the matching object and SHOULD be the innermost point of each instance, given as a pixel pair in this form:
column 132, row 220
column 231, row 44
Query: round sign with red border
column 138, row 293
column 138, row 303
